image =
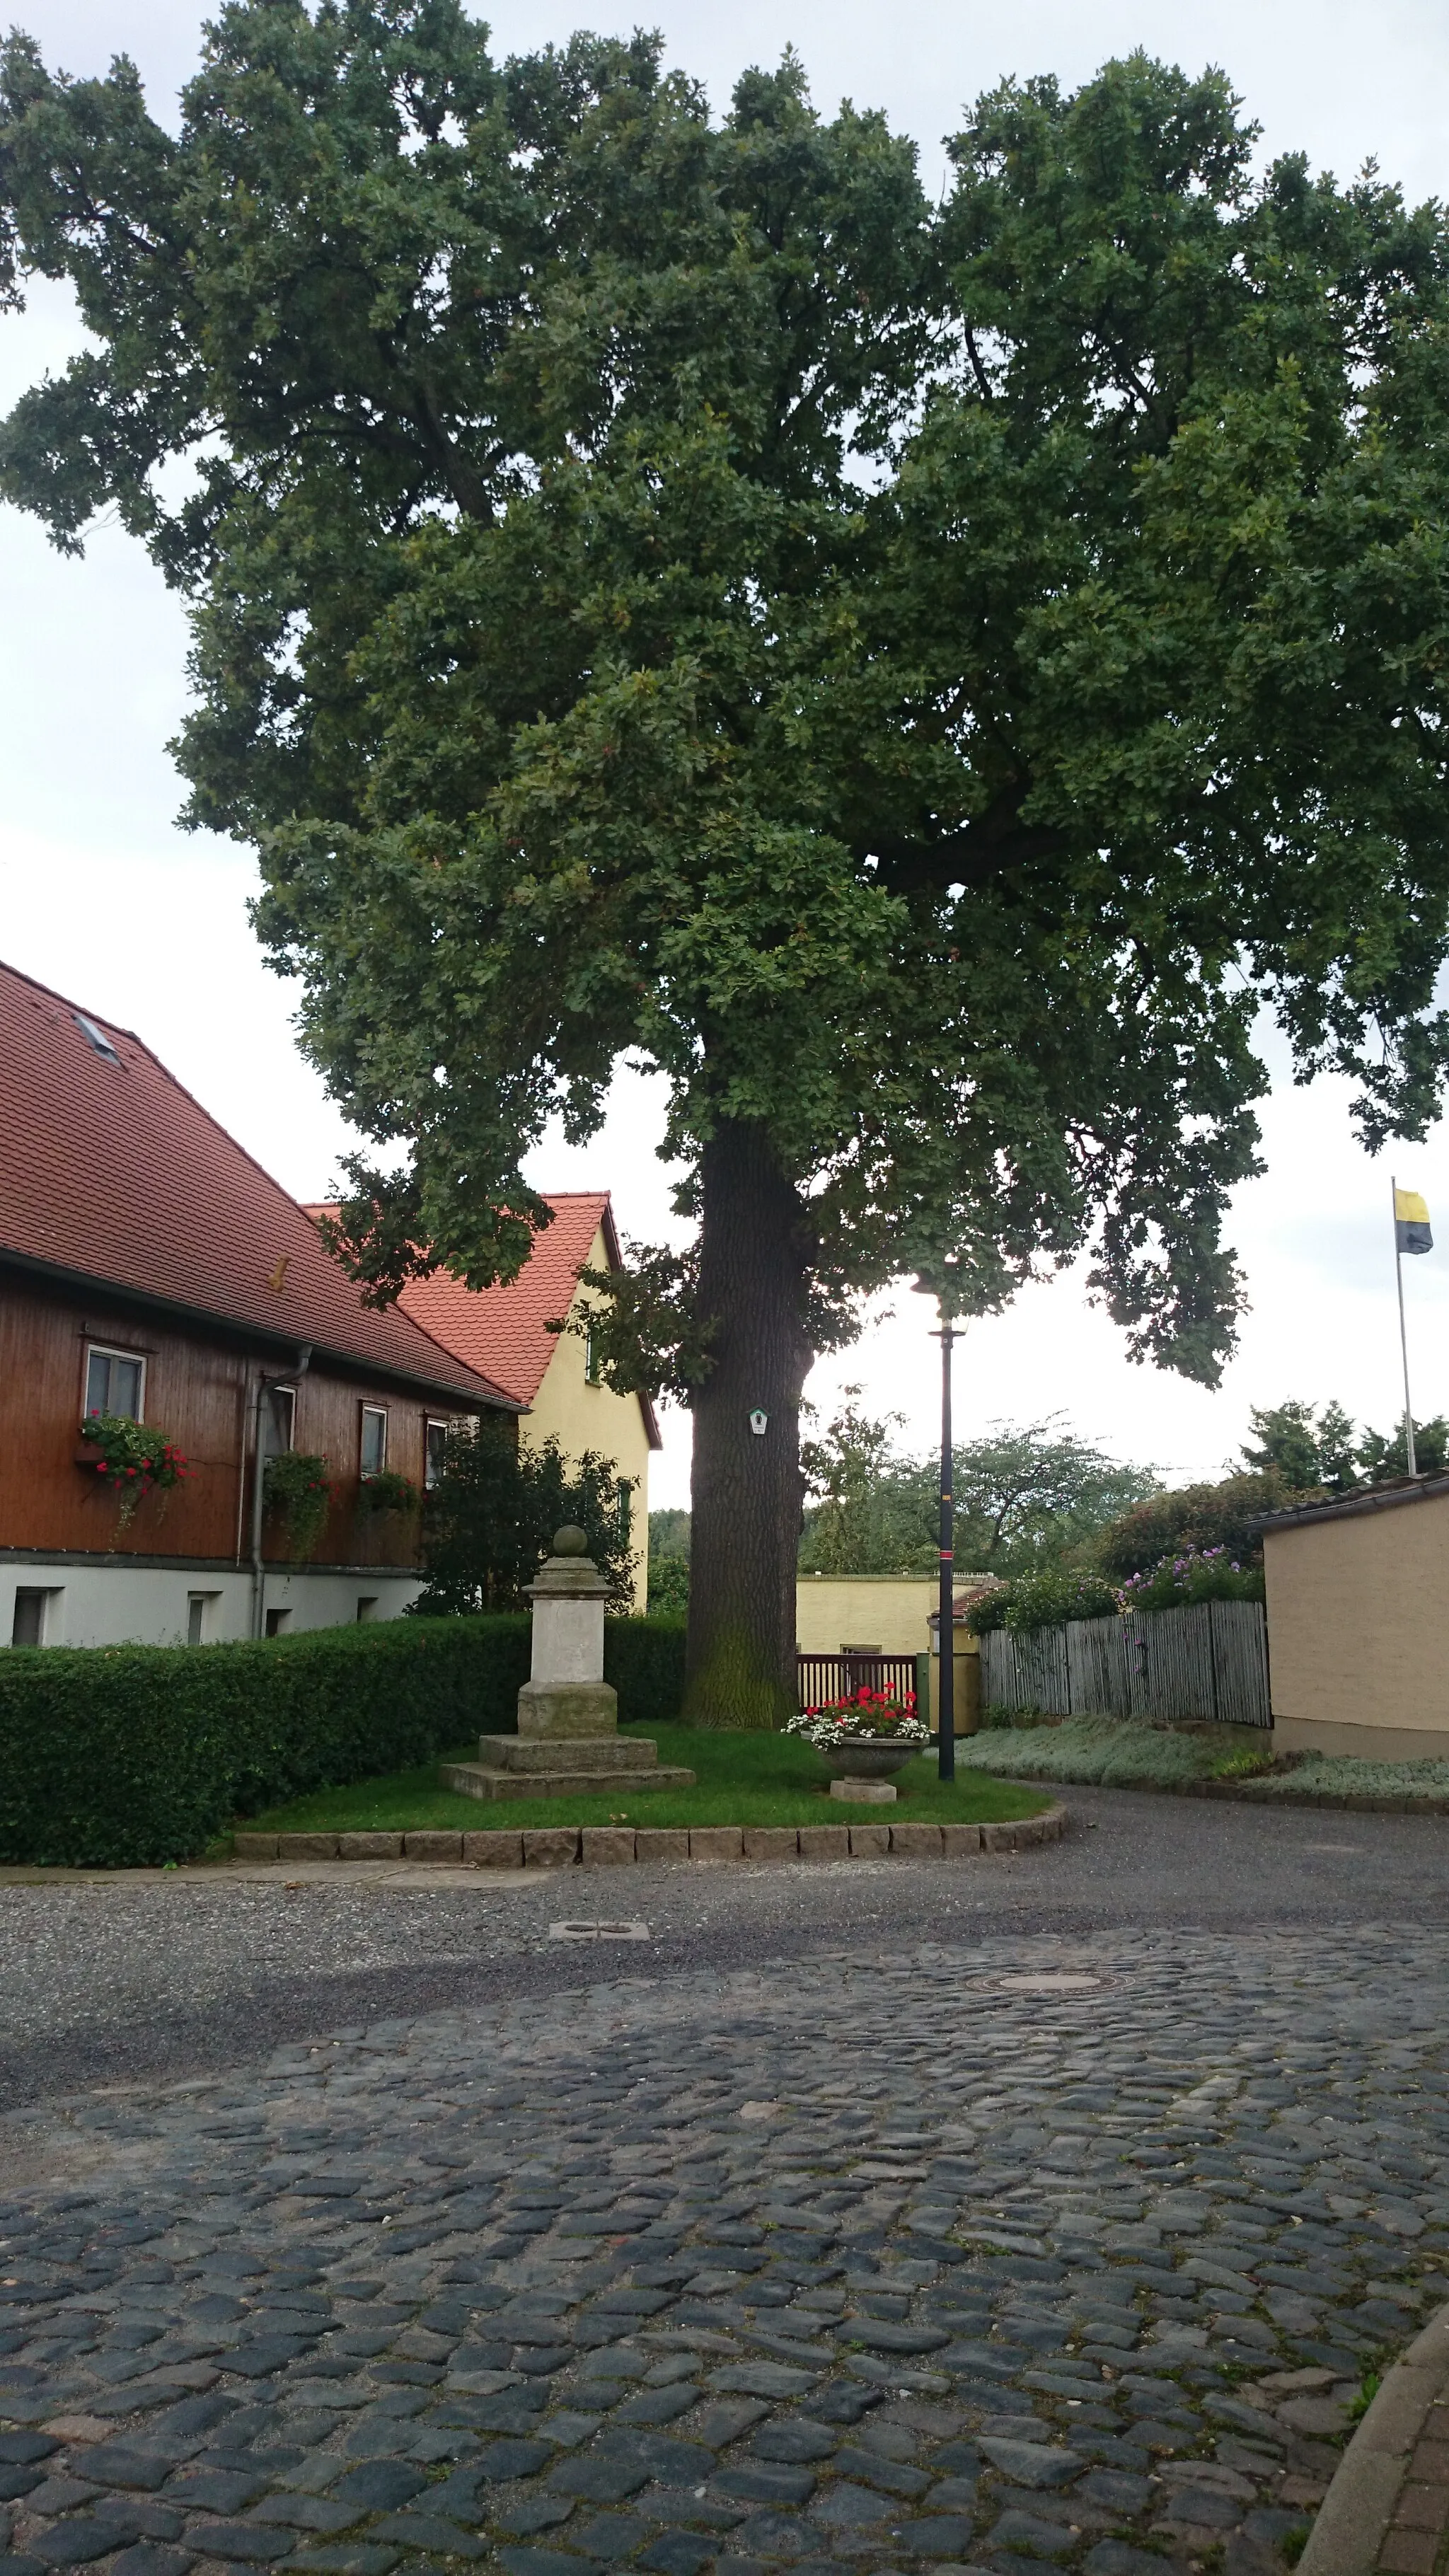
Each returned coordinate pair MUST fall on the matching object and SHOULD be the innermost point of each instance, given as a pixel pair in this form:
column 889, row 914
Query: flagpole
column 1403, row 1334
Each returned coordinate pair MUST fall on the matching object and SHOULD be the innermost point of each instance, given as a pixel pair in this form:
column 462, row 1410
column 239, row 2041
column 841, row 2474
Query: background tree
column 870, row 1510
column 1307, row 1448
column 1381, row 1458
column 1027, row 1495
column 920, row 682
column 669, row 1560
column 1033, row 1495
column 489, row 1521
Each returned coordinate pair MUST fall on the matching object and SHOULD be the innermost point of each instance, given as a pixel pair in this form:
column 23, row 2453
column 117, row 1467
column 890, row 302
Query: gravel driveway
column 860, row 2218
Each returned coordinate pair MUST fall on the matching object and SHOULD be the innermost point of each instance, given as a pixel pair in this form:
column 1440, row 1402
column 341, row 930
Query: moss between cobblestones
column 742, row 1780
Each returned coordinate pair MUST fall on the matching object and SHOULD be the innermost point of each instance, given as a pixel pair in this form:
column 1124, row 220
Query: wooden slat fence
column 1208, row 1659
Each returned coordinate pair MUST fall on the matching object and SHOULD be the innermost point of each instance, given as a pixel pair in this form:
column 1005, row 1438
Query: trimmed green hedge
column 644, row 1660
column 122, row 1756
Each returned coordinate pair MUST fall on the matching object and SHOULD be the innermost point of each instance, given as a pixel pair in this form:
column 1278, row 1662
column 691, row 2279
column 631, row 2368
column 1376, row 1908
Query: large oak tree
column 922, row 678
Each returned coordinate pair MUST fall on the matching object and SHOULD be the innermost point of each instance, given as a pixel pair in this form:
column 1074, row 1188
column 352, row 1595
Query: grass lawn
column 742, row 1780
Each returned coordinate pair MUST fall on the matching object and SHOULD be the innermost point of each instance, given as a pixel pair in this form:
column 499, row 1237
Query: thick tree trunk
column 746, row 1490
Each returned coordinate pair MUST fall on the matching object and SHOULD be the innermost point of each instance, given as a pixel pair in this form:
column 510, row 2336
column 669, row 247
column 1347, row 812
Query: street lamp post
column 946, row 1617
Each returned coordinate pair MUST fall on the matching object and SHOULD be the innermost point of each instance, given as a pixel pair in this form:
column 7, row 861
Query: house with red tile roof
column 503, row 1333
column 152, row 1272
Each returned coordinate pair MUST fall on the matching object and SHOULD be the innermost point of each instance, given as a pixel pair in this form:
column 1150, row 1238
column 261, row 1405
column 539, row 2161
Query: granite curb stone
column 1387, row 2506
column 613, row 1846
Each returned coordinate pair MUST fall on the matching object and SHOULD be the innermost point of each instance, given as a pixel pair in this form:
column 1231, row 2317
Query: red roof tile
column 110, row 1171
column 504, row 1331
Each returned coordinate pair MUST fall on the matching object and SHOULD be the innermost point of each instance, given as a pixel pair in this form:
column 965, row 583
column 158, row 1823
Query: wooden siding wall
column 199, row 1393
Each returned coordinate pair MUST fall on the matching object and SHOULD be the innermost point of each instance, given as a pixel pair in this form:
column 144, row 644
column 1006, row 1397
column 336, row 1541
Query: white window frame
column 591, row 1354
column 379, row 1412
column 113, row 1351
column 432, row 1422
column 270, row 1420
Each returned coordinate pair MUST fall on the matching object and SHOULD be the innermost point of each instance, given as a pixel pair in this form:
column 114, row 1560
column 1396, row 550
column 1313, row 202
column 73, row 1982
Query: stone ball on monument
column 570, row 1541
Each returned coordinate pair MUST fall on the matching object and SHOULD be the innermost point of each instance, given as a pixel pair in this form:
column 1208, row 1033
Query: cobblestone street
column 1062, row 2245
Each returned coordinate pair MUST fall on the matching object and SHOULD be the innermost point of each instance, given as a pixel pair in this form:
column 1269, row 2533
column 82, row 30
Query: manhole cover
column 598, row 1931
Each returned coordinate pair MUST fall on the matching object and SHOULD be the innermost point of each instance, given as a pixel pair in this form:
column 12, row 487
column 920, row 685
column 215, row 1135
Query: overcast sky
column 101, row 896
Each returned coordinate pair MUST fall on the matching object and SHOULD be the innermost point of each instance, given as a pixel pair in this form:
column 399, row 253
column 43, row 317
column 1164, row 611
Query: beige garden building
column 1358, row 1623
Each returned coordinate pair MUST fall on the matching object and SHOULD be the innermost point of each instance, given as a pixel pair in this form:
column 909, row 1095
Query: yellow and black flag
column 1411, row 1222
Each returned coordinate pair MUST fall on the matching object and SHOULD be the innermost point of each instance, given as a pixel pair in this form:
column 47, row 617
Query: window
column 200, row 1610
column 591, row 1356
column 32, row 1616
column 374, row 1439
column 278, row 1622
column 115, row 1383
column 366, row 1607
column 626, row 1512
column 278, row 1417
column 435, row 1455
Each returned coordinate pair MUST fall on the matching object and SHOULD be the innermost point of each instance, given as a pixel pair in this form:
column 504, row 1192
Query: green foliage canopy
column 1307, row 1449
column 1323, row 1451
column 658, row 587
column 1382, row 1459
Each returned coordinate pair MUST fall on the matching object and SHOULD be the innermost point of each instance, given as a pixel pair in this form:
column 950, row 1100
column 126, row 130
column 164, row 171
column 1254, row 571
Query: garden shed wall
column 1358, row 1625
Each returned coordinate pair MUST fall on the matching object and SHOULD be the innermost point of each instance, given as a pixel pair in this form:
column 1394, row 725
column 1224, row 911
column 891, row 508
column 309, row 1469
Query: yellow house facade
column 553, row 1374
column 572, row 1406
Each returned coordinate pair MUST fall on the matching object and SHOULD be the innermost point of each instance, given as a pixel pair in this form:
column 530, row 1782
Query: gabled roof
column 111, row 1174
column 505, row 1330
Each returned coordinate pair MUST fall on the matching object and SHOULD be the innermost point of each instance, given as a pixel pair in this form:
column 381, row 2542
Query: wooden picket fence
column 1208, row 1659
column 823, row 1678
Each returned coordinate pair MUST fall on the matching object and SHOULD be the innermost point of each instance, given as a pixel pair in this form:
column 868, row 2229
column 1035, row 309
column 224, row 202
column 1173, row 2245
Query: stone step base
column 567, row 1754
column 482, row 1780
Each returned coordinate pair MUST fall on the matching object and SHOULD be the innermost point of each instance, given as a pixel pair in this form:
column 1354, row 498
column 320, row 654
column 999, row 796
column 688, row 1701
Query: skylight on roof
column 95, row 1037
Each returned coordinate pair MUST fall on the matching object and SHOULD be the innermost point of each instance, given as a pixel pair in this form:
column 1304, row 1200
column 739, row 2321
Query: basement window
column 33, row 1614
column 200, row 1614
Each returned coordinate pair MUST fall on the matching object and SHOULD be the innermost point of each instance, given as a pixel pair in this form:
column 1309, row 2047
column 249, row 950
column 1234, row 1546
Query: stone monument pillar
column 568, row 1741
column 566, row 1693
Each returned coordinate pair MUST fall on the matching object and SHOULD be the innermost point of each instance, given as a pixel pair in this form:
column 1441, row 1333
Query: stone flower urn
column 867, row 1757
